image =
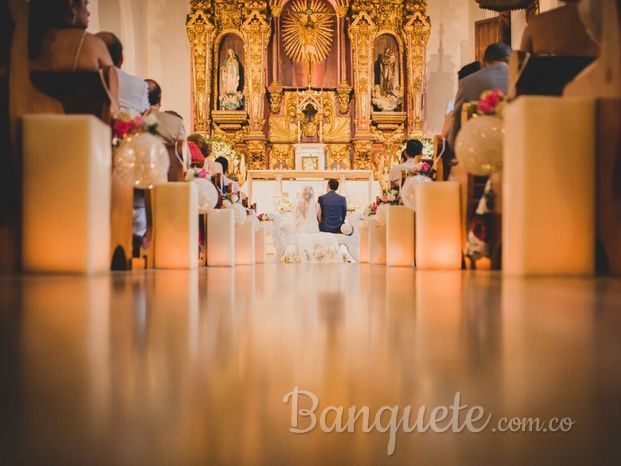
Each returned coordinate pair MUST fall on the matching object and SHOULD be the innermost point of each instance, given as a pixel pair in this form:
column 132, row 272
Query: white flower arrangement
column 221, row 148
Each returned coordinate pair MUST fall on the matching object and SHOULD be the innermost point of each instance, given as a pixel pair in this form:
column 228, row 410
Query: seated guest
column 560, row 31
column 195, row 153
column 413, row 149
column 201, row 149
column 170, row 126
column 229, row 184
column 464, row 71
column 133, row 91
column 58, row 40
column 448, row 158
column 493, row 75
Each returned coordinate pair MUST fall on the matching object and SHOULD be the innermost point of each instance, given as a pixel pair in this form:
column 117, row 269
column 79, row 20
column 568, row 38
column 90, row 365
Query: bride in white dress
column 311, row 245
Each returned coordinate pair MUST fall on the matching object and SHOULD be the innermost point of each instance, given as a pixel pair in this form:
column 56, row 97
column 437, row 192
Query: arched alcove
column 230, row 45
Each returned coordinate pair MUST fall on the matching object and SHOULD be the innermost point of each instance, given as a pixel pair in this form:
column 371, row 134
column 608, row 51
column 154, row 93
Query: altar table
column 264, row 187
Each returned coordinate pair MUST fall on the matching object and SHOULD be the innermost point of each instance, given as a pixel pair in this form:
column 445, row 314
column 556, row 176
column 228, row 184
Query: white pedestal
column 259, row 244
column 221, row 238
column 399, row 236
column 377, row 242
column 245, row 243
column 438, row 232
column 364, row 244
column 548, row 186
column 176, row 226
column 310, row 156
column 66, row 194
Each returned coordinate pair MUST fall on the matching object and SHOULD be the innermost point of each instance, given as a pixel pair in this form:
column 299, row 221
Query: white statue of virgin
column 229, row 74
column 230, row 98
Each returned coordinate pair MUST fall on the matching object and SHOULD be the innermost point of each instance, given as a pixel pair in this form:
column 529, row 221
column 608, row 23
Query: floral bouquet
column 371, row 210
column 426, row 169
column 194, row 173
column 130, row 122
column 229, row 199
column 390, row 197
column 265, row 218
column 490, row 103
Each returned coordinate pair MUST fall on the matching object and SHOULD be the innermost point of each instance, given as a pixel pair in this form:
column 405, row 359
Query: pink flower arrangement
column 371, row 210
column 490, row 101
column 197, row 173
column 131, row 122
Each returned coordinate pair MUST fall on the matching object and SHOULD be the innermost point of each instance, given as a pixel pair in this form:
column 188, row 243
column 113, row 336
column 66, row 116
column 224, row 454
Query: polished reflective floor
column 191, row 368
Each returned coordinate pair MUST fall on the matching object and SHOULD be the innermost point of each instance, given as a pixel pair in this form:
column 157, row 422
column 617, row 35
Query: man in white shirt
column 170, row 125
column 133, row 92
column 413, row 149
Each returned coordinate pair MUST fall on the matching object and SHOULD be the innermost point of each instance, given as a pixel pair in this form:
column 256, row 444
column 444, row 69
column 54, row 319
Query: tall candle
column 438, row 232
column 221, row 238
column 245, row 246
column 66, row 194
column 399, row 236
column 548, row 186
column 176, row 226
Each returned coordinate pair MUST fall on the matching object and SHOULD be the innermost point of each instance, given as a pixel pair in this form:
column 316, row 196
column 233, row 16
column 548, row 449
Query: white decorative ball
column 347, row 229
column 479, row 145
column 408, row 191
column 142, row 161
column 207, row 194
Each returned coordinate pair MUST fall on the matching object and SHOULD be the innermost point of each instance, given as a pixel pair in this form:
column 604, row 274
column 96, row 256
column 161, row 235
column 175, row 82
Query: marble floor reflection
column 190, row 368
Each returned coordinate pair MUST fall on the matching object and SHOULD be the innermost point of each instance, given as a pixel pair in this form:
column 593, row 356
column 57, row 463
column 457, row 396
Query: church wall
column 450, row 46
column 155, row 42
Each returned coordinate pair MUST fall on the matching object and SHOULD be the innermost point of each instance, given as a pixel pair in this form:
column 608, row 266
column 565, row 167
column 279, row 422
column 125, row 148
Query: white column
column 548, row 186
column 176, row 226
column 66, row 194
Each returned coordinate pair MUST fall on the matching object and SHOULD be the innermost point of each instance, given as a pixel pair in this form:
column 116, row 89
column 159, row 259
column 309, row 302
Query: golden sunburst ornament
column 308, row 30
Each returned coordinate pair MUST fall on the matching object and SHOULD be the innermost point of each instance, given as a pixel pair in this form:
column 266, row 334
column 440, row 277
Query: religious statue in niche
column 387, row 93
column 231, row 96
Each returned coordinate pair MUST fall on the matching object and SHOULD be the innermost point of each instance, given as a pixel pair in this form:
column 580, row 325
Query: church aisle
column 191, row 368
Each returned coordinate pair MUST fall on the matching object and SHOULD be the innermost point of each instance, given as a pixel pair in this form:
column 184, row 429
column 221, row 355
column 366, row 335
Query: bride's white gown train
column 308, row 244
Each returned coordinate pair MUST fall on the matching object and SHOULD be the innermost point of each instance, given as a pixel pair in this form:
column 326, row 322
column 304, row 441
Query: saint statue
column 387, row 95
column 230, row 98
column 229, row 73
column 387, row 71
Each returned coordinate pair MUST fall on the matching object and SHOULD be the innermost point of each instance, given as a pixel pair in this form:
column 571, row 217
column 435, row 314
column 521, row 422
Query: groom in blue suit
column 333, row 209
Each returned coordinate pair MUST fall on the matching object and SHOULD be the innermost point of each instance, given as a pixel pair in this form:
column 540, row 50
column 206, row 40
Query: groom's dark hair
column 334, row 184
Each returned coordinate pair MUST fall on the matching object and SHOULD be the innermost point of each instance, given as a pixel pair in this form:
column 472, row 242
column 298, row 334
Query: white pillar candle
column 259, row 244
column 221, row 238
column 377, row 242
column 176, row 226
column 364, row 244
column 399, row 236
column 548, row 186
column 245, row 247
column 438, row 232
column 66, row 194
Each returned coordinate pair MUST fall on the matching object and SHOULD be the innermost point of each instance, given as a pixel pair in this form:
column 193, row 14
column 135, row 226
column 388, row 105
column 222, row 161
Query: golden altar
column 348, row 74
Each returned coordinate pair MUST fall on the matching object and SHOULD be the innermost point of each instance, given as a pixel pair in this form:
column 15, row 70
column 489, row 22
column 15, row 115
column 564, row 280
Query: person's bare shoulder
column 96, row 48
